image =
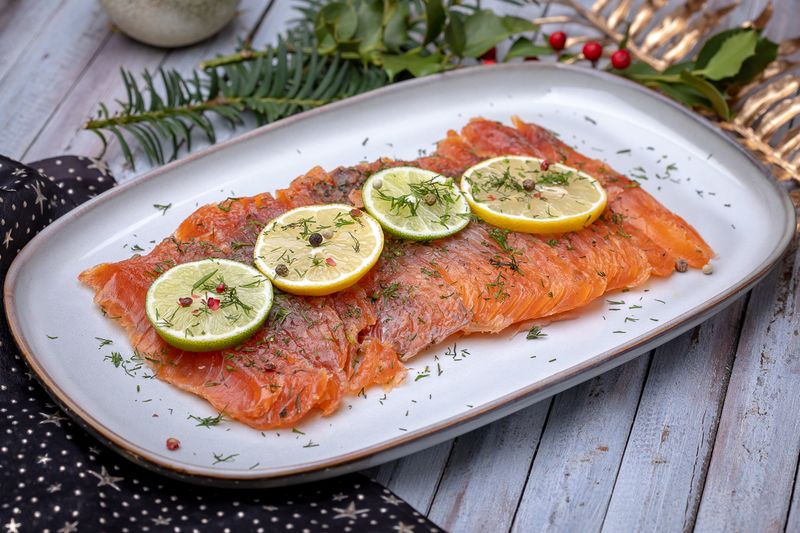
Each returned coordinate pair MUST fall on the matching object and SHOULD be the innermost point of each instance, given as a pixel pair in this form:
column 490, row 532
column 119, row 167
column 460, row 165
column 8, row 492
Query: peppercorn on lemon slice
column 529, row 195
column 208, row 305
column 416, row 204
column 318, row 249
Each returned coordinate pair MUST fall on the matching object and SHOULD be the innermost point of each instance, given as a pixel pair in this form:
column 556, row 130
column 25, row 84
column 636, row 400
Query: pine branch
column 332, row 51
column 276, row 85
column 210, row 105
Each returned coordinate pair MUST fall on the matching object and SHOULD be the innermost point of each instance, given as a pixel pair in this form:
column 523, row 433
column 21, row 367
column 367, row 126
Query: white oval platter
column 692, row 168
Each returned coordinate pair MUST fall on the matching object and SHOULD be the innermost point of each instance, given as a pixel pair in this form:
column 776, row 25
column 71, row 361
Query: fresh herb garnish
column 218, row 458
column 535, row 333
column 104, row 342
column 207, row 421
column 163, row 208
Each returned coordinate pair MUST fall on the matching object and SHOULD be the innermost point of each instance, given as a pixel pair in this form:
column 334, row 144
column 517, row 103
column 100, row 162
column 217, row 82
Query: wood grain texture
column 102, row 82
column 755, row 456
column 486, row 472
column 582, row 446
column 46, row 70
column 279, row 16
column 659, row 484
column 21, row 23
column 415, row 478
column 632, row 457
column 793, row 520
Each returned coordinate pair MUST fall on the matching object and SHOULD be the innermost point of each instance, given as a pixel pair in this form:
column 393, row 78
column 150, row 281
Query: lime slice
column 415, row 204
column 318, row 249
column 526, row 194
column 208, row 305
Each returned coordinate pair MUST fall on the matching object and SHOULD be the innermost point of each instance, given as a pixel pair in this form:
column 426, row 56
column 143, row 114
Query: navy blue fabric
column 55, row 477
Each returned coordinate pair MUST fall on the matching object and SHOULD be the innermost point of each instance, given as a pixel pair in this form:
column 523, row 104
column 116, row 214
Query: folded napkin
column 56, row 477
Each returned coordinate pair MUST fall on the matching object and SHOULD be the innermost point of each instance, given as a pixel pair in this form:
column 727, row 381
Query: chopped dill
column 219, row 458
column 163, row 208
column 104, row 342
column 207, row 421
column 535, row 333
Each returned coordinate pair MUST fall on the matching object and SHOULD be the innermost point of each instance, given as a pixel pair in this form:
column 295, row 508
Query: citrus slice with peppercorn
column 530, row 195
column 415, row 204
column 318, row 249
column 208, row 305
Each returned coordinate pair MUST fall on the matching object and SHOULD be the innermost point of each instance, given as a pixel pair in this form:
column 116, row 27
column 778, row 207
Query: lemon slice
column 318, row 249
column 522, row 194
column 415, row 204
column 208, row 305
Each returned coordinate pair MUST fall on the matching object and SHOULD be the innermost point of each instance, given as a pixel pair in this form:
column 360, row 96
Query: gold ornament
column 763, row 110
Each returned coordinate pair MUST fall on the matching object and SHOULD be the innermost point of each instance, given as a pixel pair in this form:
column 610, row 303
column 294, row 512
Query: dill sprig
column 433, row 191
column 207, row 421
column 535, row 333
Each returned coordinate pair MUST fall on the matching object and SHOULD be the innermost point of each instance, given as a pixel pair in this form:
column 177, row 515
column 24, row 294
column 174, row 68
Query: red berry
column 558, row 40
column 621, row 59
column 544, row 165
column 330, row 261
column 220, row 288
column 355, row 212
column 173, row 444
column 185, row 302
column 592, row 51
column 213, row 303
column 490, row 55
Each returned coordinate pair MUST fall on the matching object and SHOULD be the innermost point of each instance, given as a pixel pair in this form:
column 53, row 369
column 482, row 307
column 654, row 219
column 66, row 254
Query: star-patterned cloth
column 56, row 478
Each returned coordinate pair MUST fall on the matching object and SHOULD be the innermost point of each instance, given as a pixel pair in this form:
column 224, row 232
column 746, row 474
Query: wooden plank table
column 702, row 433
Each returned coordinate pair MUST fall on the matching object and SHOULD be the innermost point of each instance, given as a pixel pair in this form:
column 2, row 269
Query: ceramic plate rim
column 515, row 400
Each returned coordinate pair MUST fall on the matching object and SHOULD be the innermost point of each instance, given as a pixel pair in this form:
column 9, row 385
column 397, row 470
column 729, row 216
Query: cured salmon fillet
column 314, row 350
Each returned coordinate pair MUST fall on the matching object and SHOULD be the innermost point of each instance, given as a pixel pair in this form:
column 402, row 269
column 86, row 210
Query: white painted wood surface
column 661, row 478
column 573, row 474
column 702, row 434
column 755, row 455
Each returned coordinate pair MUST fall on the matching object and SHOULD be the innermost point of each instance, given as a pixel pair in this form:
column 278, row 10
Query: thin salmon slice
column 314, row 351
column 303, row 359
column 642, row 215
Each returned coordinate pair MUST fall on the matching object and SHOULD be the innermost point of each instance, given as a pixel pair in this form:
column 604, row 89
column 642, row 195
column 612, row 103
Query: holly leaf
column 685, row 94
column 639, row 68
column 718, row 102
column 435, row 17
column 484, row 30
column 395, row 21
column 728, row 59
column 713, row 44
column 370, row 28
column 454, row 34
column 339, row 19
column 523, row 47
column 414, row 63
column 766, row 53
column 677, row 68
